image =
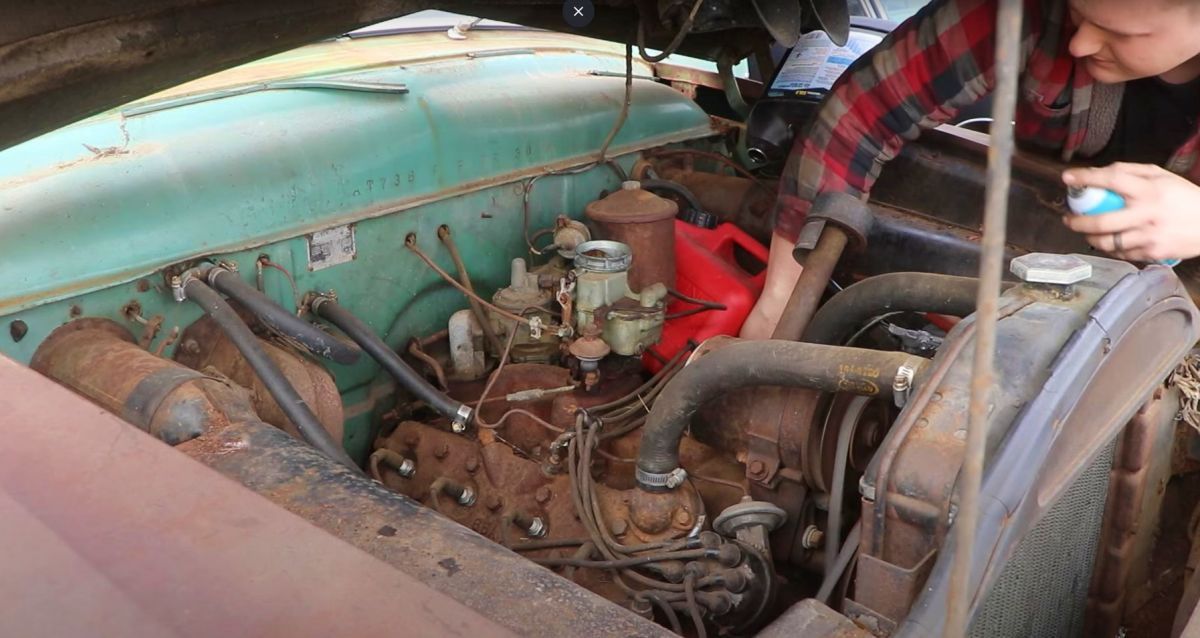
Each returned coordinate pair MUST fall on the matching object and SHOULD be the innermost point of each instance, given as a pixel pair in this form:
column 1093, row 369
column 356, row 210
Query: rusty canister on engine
column 646, row 223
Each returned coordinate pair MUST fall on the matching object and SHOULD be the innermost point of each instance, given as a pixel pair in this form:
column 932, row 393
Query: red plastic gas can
column 707, row 267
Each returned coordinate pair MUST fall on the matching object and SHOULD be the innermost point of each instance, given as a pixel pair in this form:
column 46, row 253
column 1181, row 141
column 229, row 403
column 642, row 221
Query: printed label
column 331, row 247
column 816, row 62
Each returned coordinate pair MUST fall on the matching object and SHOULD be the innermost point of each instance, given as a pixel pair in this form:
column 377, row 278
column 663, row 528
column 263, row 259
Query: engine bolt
column 813, row 538
column 467, row 497
column 442, row 451
column 537, row 527
column 543, row 494
column 191, row 346
column 407, row 468
column 758, row 468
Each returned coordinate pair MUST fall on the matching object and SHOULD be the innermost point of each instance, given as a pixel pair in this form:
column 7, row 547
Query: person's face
column 1121, row 40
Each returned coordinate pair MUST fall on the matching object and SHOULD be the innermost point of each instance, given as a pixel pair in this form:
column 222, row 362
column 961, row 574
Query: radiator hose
column 279, row 319
column 757, row 363
column 290, row 401
column 328, row 309
column 848, row 310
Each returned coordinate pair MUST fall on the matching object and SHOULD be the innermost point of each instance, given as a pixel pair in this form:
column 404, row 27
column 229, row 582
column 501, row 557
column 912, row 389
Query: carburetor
column 630, row 321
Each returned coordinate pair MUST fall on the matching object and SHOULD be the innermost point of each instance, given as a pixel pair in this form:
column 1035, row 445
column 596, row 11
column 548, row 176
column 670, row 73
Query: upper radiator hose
column 755, row 363
column 848, row 310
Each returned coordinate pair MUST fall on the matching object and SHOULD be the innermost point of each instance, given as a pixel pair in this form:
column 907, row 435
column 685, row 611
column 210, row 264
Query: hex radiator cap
column 1049, row 268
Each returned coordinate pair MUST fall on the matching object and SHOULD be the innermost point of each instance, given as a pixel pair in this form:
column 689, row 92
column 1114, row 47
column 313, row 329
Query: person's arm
column 932, row 65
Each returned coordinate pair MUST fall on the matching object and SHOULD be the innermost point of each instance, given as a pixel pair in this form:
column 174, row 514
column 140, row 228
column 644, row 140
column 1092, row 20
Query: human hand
column 1161, row 218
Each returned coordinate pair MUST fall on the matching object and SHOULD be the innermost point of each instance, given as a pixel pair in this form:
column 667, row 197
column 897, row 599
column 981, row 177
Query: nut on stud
column 407, row 468
column 1049, row 268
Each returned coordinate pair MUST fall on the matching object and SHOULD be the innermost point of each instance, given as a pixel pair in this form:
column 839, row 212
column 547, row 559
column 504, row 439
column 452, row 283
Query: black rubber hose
column 674, row 187
column 410, row 379
column 756, row 363
column 279, row 319
column 848, row 310
column 290, row 401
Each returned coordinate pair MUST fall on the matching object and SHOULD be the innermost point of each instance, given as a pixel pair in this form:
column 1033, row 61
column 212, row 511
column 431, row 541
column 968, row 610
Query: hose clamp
column 211, row 276
column 316, row 302
column 461, row 418
column 658, row 482
column 179, row 285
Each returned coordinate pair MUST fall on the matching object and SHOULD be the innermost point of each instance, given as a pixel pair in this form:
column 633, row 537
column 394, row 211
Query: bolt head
column 1048, row 268
column 813, row 537
column 537, row 527
column 467, row 498
column 458, row 427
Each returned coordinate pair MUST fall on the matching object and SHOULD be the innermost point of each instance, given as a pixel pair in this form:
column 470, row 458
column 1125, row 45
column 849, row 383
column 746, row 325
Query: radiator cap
column 1049, row 268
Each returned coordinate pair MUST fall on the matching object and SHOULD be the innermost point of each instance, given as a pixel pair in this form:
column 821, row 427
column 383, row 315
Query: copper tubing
column 414, row 349
column 476, row 307
column 818, row 270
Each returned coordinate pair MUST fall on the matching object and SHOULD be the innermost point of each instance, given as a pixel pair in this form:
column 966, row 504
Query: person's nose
column 1086, row 41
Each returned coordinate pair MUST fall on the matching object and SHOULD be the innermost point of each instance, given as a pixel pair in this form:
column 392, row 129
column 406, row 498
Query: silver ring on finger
column 1117, row 247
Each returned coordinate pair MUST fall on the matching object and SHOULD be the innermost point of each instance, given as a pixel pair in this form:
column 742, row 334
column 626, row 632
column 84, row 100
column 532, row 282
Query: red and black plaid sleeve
column 932, row 65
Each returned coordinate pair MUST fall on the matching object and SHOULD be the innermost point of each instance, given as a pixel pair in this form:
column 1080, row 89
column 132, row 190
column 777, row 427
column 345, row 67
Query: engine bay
column 512, row 370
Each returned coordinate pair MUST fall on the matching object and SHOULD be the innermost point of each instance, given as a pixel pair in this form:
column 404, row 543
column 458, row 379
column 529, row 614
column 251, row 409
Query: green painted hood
column 216, row 166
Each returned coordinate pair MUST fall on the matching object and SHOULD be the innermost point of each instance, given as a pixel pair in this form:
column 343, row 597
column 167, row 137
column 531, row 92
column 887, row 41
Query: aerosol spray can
column 1090, row 200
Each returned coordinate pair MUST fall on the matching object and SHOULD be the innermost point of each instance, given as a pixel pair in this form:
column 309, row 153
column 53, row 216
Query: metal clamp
column 179, row 285
column 459, row 425
column 655, row 481
column 535, row 327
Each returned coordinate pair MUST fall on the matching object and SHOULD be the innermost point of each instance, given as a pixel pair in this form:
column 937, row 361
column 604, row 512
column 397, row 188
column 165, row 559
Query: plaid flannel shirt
column 937, row 62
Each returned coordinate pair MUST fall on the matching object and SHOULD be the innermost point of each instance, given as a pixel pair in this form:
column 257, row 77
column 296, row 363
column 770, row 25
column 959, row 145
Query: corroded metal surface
column 1137, row 484
column 645, row 222
column 810, row 619
column 111, row 533
column 205, row 346
column 98, row 359
column 515, row 593
column 510, row 485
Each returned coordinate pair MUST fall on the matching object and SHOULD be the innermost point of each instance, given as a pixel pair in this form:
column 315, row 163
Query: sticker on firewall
column 331, row 247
